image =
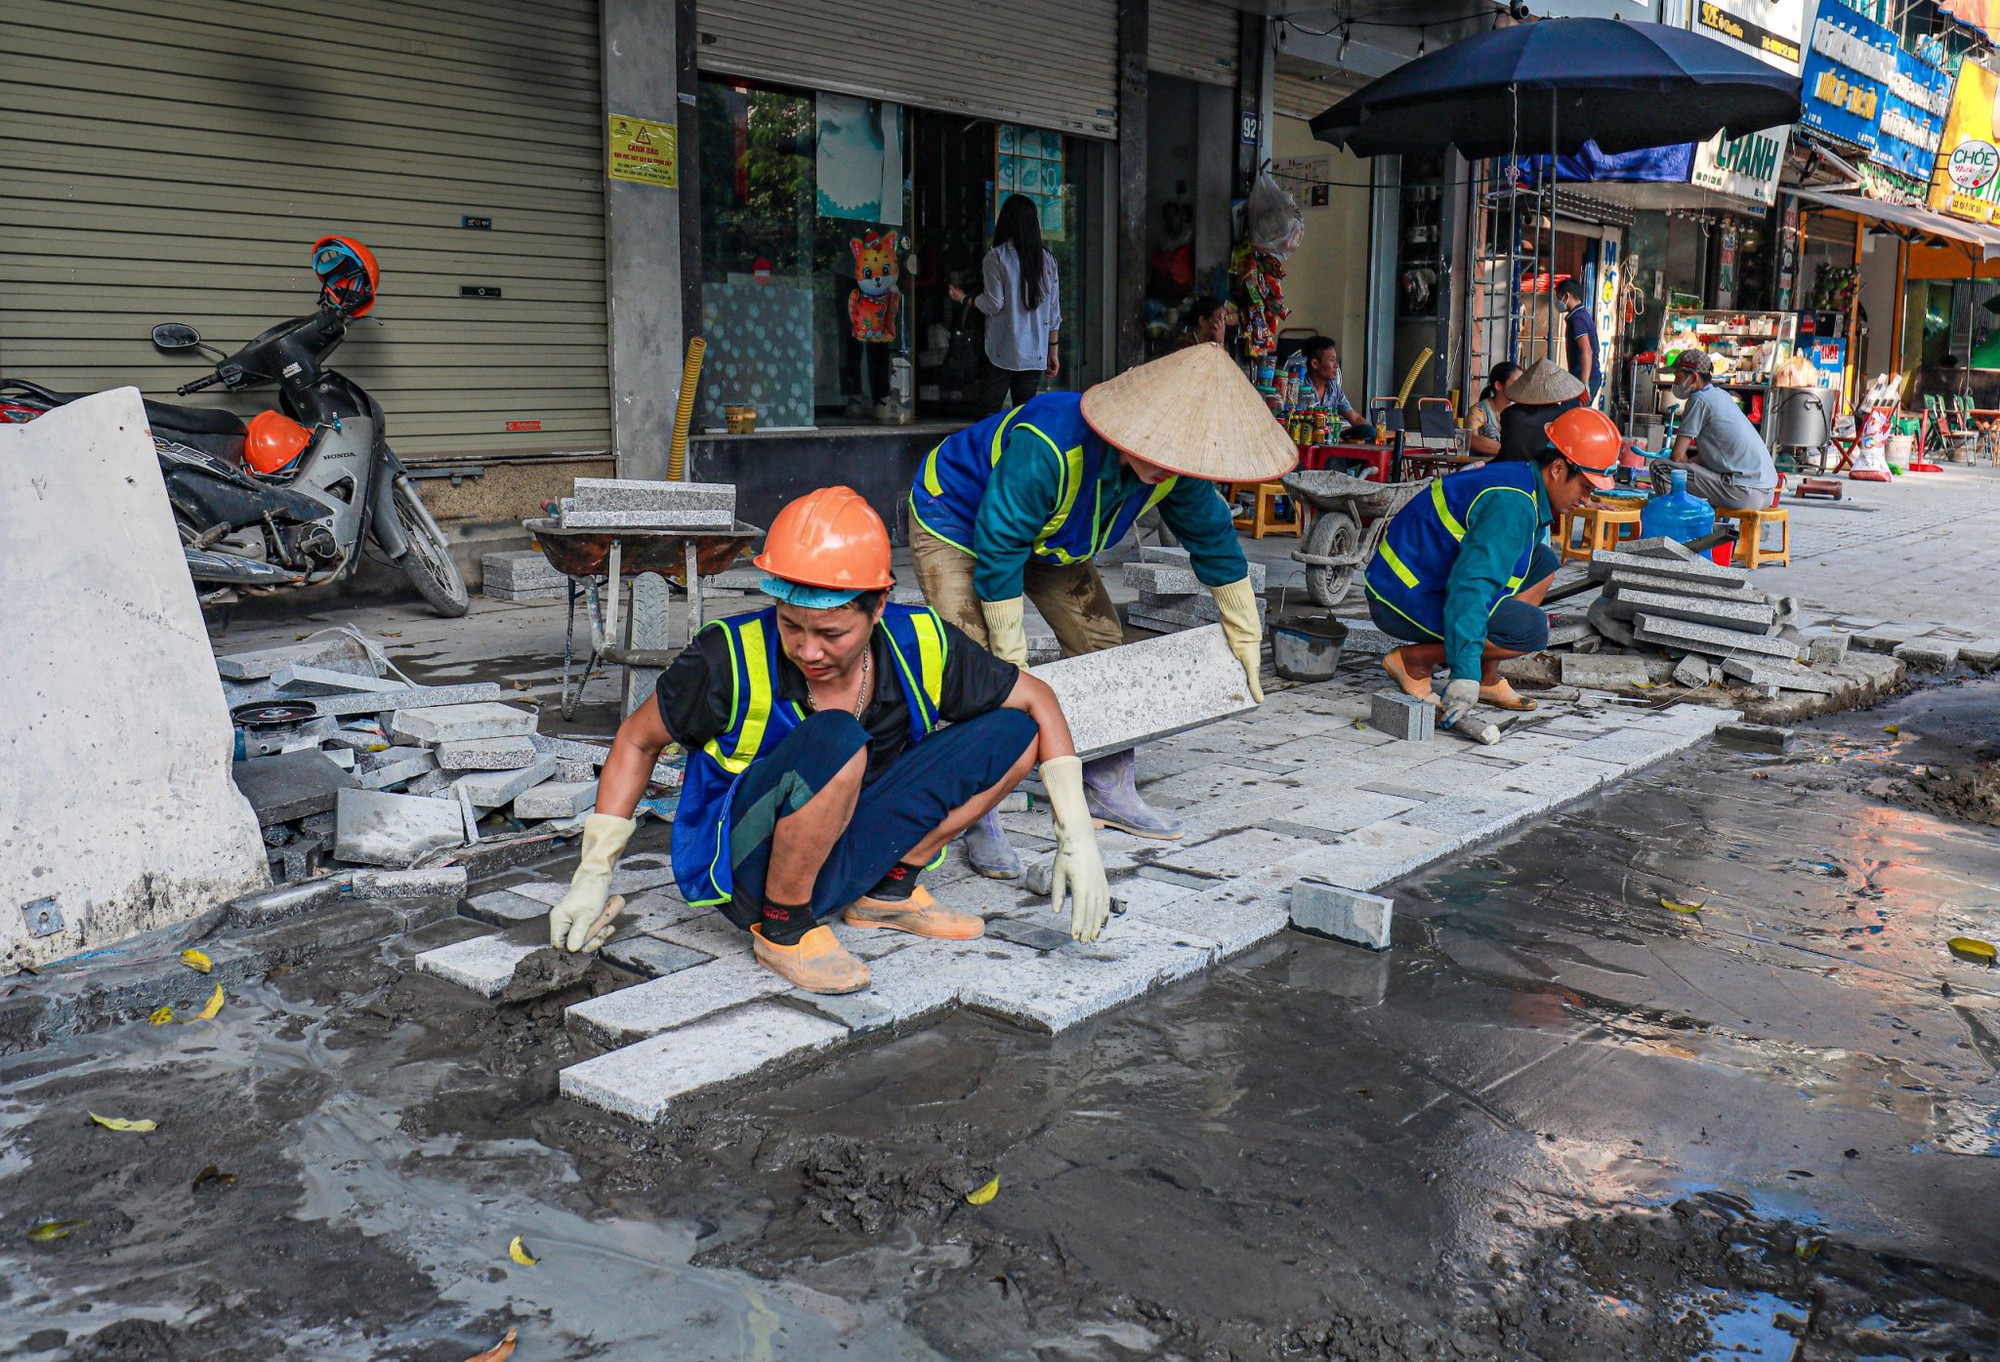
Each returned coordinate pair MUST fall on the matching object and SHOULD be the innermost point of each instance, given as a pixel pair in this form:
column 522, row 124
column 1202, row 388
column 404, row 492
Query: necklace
column 861, row 696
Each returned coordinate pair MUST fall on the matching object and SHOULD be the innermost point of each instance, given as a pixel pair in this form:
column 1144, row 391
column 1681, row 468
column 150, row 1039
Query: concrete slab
column 1177, row 579
column 462, row 723
column 1927, row 654
column 1784, row 675
column 1703, row 638
column 290, row 786
column 1756, row 737
column 1343, row 914
column 1749, row 616
column 1886, row 638
column 555, row 799
column 1983, row 655
column 336, row 652
column 1626, row 579
column 298, row 679
column 377, row 828
column 286, row 901
column 1144, row 691
column 486, row 754
column 643, row 1081
column 1603, row 617
column 402, row 765
column 413, row 697
column 1402, row 716
column 1606, row 561
column 633, row 501
column 505, row 908
column 652, row 957
column 484, row 964
column 491, row 789
column 435, row 882
column 647, row 1009
column 1603, row 669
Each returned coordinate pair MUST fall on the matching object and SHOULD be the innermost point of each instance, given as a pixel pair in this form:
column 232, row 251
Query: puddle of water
column 1745, row 1326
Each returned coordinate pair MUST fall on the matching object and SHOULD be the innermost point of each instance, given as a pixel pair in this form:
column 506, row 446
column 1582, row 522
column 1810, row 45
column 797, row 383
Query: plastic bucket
column 1900, row 449
column 1307, row 647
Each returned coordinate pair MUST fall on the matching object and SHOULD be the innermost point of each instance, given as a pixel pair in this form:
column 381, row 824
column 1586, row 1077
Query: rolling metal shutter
column 1196, row 39
column 1303, row 90
column 1047, row 63
column 178, row 160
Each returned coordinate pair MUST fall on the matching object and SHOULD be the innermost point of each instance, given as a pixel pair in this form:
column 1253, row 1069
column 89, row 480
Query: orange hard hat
column 1589, row 440
column 348, row 273
column 830, row 538
column 272, row 440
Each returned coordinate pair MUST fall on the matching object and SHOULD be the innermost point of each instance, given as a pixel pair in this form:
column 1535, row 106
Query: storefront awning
column 1986, row 239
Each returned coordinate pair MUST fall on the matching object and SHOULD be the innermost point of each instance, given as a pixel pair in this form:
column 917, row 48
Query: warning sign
column 644, row 152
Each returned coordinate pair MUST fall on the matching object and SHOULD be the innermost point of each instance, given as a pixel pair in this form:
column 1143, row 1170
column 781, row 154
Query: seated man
column 1322, row 391
column 1731, row 469
column 1461, row 572
column 818, row 775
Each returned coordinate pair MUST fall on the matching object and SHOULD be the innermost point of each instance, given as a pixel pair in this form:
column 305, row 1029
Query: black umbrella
column 1557, row 83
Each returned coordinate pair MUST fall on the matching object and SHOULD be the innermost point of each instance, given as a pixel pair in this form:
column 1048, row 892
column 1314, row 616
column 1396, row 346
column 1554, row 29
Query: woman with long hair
column 1492, row 401
column 1019, row 298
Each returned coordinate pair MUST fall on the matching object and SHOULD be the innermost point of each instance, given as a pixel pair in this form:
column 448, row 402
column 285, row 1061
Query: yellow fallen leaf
column 1675, row 905
column 1972, row 948
column 194, row 959
column 1892, row 729
column 209, row 1008
column 55, row 1229
column 161, row 1016
column 518, row 1251
column 120, row 1123
column 983, row 1194
column 499, row 1352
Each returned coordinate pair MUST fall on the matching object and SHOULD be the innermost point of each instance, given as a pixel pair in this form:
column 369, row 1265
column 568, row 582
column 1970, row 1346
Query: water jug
column 1677, row 515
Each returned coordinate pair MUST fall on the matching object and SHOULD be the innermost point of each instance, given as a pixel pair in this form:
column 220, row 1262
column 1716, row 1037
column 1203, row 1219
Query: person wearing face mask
column 1020, row 504
column 1731, row 469
column 1322, row 391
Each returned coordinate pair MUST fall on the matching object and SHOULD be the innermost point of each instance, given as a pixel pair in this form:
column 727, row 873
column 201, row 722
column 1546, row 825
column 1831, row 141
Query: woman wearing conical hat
column 1019, row 504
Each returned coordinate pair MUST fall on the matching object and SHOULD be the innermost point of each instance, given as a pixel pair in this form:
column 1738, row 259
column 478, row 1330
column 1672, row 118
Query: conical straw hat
column 1545, row 382
column 1192, row 412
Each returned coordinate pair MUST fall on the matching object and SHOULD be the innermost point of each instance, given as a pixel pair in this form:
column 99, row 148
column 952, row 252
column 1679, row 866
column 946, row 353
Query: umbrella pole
column 1550, row 277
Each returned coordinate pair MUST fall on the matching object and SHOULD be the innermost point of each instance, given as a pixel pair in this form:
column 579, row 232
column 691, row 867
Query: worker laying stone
column 1463, row 568
column 1730, row 469
column 1020, row 503
column 835, row 743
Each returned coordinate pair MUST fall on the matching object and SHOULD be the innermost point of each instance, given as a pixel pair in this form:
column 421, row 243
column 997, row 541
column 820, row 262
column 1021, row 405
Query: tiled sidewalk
column 1294, row 790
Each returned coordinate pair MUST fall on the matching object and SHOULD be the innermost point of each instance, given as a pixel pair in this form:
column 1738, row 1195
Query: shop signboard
column 1769, row 29
column 1745, row 166
column 1966, row 181
column 1983, row 15
column 1748, row 166
column 1850, row 66
column 1913, row 116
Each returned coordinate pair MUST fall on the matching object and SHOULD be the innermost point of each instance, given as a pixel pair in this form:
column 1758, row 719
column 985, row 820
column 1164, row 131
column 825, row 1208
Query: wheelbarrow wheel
column 1334, row 535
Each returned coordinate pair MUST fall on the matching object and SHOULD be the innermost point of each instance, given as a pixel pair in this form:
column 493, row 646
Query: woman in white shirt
column 1022, row 310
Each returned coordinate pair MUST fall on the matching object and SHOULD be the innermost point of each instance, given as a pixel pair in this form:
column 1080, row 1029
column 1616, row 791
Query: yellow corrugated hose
column 677, row 453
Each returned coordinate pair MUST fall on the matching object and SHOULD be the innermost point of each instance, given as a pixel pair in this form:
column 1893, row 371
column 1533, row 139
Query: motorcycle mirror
column 176, row 336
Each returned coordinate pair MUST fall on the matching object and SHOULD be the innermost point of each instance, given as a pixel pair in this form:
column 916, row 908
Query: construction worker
column 1463, row 568
column 1020, row 503
column 835, row 742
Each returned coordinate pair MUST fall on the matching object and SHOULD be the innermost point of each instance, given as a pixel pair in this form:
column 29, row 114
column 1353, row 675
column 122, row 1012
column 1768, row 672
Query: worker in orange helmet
column 835, row 743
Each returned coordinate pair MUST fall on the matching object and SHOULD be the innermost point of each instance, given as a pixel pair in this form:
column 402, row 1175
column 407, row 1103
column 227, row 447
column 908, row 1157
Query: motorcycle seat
column 166, row 415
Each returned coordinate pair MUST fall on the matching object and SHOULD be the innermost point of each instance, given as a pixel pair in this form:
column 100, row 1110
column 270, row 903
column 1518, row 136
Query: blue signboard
column 1849, row 68
column 1913, row 117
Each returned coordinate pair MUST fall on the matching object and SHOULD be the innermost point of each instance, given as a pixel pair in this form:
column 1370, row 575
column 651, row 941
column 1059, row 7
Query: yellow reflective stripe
column 1451, row 524
column 1071, row 465
column 932, row 530
column 930, row 654
column 1376, row 596
column 931, row 483
column 1397, row 565
column 757, row 716
column 1159, row 493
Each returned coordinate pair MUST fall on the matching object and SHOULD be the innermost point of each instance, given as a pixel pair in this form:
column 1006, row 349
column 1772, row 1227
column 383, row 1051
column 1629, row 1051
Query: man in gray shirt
column 1731, row 469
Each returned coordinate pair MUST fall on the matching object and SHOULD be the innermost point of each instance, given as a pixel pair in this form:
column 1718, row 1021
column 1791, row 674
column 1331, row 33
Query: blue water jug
column 1677, row 515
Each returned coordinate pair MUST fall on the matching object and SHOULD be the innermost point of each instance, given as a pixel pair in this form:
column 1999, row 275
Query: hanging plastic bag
column 1273, row 218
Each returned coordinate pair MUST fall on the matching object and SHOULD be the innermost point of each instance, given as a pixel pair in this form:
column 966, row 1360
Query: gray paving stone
column 1658, row 546
column 298, row 679
column 1238, row 853
column 1692, row 672
column 652, row 957
column 1035, row 936
column 1627, row 580
column 402, row 764
column 486, row 754
column 491, row 789
column 1343, row 914
column 632, row 501
column 1784, row 675
column 439, row 881
column 519, row 570
column 525, row 594
column 1703, row 638
column 1054, row 992
column 1827, row 649
column 1606, row 561
column 643, row 1081
column 555, row 799
column 1603, row 669
column 415, row 697
column 647, row 1009
column 1886, row 638
column 1234, row 917
column 337, row 652
column 287, row 901
column 1402, row 716
column 462, row 723
column 1927, row 655
column 1749, row 616
column 1144, row 691
column 505, row 908
column 1464, row 817
column 291, row 785
column 1982, row 655
column 484, row 964
column 1603, row 617
column 377, row 828
column 1567, row 628
column 1756, row 737
column 1175, row 579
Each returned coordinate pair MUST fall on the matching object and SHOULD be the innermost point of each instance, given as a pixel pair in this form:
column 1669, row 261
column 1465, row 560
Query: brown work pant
column 1072, row 599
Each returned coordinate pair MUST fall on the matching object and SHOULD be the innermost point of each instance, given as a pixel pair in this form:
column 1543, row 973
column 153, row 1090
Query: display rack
column 1748, row 348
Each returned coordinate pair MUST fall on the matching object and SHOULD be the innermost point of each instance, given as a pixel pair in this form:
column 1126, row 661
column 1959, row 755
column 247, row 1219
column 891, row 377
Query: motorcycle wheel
column 428, row 561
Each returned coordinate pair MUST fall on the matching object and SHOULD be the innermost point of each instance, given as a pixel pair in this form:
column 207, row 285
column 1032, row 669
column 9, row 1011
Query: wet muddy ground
column 1557, row 1120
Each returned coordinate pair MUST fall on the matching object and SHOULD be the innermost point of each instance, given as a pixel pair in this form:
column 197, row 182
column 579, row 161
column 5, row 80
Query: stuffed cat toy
column 871, row 308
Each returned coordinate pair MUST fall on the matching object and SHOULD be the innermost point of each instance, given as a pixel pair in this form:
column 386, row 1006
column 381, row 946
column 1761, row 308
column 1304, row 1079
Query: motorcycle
column 288, row 499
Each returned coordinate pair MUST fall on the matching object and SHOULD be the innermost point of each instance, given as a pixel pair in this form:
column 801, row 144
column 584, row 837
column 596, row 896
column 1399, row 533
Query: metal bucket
column 1307, row 647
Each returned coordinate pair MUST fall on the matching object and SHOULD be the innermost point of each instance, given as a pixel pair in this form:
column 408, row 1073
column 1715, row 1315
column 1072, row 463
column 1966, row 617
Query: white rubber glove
column 1006, row 634
column 1459, row 698
column 1078, row 866
column 1245, row 632
column 582, row 920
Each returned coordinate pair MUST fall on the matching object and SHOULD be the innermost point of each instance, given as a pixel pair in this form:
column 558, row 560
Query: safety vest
column 952, row 480
column 1412, row 566
column 759, row 719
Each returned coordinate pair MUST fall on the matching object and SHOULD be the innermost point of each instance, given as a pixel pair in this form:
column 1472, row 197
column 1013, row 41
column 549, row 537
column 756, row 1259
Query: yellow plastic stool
column 1603, row 527
column 1263, row 518
column 1750, row 550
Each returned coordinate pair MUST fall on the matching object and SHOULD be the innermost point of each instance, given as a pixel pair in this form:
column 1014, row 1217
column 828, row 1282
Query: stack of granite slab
column 1171, row 597
column 636, row 504
column 521, row 575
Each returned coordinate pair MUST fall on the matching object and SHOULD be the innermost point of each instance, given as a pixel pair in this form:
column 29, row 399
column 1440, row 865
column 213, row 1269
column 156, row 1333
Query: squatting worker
column 1462, row 571
column 1020, row 503
column 1731, row 468
column 835, row 743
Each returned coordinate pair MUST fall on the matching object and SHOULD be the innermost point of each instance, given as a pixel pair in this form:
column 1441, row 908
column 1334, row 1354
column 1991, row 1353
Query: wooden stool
column 1263, row 518
column 1603, row 527
column 1750, row 550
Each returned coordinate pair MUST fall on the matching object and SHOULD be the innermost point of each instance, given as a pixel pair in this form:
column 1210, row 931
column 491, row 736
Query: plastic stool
column 1603, row 527
column 1750, row 550
column 1263, row 518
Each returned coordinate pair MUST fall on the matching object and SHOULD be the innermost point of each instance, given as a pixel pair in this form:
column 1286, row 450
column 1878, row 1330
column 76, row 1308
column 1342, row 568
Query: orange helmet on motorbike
column 348, row 274
column 830, row 538
column 272, row 440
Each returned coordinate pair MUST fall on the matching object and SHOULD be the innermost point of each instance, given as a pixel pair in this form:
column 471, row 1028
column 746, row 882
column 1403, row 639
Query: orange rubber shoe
column 818, row 964
column 920, row 915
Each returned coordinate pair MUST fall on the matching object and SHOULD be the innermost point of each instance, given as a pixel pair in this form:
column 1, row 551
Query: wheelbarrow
column 586, row 555
column 1349, row 517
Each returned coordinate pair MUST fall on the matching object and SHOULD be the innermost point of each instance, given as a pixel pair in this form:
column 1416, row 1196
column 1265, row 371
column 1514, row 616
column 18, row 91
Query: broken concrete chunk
column 406, row 763
column 1824, row 650
column 1756, row 737
column 1341, row 913
column 376, row 828
column 1927, row 654
column 1693, row 673
column 1604, row 619
column 462, row 723
column 1402, row 716
column 486, row 754
column 1127, row 695
column 1886, row 638
column 1604, row 670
